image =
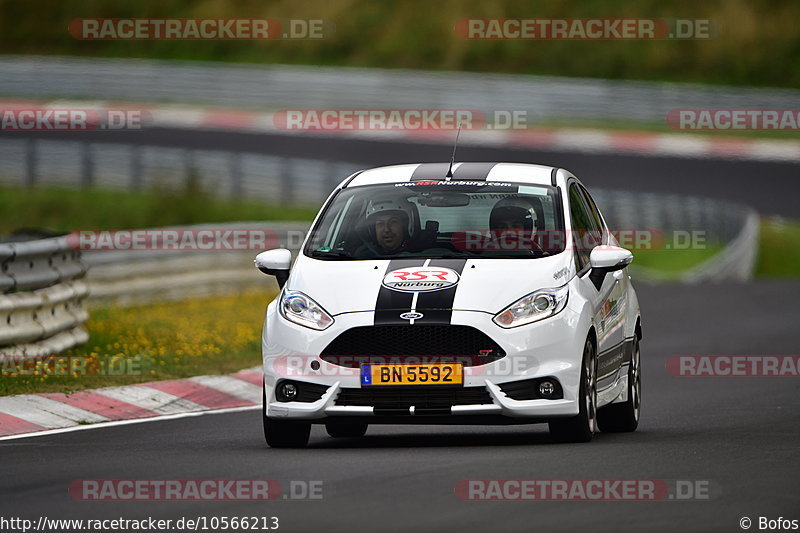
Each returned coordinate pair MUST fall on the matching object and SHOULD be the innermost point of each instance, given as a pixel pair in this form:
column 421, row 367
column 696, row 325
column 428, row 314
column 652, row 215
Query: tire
column 624, row 417
column 581, row 427
column 284, row 433
column 346, row 430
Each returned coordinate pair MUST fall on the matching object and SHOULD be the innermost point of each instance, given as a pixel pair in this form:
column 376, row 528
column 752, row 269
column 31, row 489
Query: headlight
column 298, row 308
column 535, row 306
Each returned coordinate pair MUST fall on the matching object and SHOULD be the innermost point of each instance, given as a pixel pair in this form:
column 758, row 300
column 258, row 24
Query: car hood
column 487, row 285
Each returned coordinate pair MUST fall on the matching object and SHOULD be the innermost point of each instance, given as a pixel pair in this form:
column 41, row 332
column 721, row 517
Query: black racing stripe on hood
column 437, row 306
column 430, row 171
column 473, row 171
column 390, row 304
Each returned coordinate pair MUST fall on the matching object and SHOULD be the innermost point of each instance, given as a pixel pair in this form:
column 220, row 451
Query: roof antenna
column 453, row 157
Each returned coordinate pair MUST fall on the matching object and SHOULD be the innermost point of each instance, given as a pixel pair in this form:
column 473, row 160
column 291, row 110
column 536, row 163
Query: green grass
column 669, row 264
column 778, row 254
column 779, row 249
column 64, row 209
column 757, row 42
column 155, row 342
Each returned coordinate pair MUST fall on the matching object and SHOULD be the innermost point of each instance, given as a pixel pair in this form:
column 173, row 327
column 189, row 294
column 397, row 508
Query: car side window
column 598, row 220
column 583, row 227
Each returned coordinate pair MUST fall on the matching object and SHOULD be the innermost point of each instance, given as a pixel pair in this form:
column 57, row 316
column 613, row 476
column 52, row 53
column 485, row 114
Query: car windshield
column 435, row 219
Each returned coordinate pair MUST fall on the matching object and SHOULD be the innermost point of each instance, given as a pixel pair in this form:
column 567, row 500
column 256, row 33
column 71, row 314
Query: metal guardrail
column 281, row 86
column 137, row 277
column 720, row 221
column 273, row 179
column 736, row 261
column 714, row 221
column 37, row 264
column 41, row 304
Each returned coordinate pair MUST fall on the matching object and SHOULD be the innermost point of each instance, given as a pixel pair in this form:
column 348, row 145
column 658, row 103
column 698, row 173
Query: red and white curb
column 679, row 144
column 36, row 414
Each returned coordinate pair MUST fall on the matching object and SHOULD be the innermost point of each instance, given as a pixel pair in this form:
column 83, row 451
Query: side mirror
column 605, row 259
column 275, row 263
column 610, row 258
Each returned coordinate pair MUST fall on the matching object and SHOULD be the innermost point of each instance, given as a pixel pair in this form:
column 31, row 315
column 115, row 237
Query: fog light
column 546, row 388
column 288, row 391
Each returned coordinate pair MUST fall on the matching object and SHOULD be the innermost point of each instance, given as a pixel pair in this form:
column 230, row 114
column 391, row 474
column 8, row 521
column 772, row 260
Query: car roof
column 502, row 172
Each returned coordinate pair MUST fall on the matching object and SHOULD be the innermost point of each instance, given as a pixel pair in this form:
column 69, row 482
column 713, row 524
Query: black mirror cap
column 281, row 276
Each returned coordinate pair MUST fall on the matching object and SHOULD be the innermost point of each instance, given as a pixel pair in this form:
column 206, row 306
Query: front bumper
column 550, row 348
column 326, row 408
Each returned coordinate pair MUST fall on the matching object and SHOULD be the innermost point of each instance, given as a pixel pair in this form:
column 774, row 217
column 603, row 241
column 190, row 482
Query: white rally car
column 477, row 293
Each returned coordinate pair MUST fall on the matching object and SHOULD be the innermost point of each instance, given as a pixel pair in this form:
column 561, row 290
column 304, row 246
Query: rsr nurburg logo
column 420, row 279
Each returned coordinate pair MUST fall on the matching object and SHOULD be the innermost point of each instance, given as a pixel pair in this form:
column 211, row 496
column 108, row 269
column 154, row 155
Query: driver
column 389, row 222
column 512, row 223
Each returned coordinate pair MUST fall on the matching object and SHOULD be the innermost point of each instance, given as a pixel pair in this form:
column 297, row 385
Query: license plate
column 421, row 374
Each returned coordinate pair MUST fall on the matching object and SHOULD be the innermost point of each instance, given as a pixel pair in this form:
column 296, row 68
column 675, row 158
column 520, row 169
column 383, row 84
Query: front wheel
column 581, row 428
column 624, row 417
column 284, row 433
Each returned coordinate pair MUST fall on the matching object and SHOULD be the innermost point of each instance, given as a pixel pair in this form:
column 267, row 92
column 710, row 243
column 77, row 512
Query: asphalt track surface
column 738, row 434
column 771, row 187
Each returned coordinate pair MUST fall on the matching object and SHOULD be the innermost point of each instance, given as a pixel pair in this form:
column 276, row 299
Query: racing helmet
column 513, row 208
column 392, row 205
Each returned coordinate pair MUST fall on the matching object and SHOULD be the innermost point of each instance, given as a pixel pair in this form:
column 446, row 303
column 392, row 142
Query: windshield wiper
column 339, row 254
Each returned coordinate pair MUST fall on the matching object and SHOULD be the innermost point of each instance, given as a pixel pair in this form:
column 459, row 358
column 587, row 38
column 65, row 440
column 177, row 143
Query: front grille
column 412, row 344
column 403, row 398
column 311, row 392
